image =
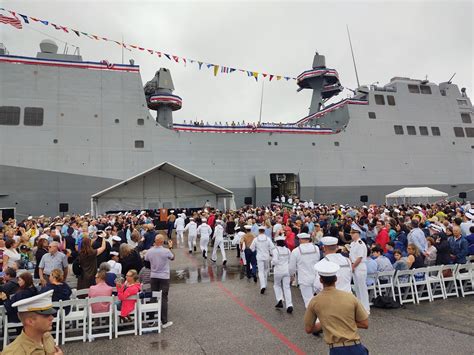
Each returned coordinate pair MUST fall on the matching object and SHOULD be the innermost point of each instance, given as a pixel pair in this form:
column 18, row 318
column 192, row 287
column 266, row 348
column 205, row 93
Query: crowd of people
column 125, row 250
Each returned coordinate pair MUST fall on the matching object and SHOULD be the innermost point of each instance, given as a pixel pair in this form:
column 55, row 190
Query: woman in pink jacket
column 129, row 288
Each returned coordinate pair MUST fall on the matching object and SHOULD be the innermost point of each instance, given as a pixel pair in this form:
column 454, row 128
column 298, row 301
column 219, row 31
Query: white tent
column 163, row 186
column 410, row 195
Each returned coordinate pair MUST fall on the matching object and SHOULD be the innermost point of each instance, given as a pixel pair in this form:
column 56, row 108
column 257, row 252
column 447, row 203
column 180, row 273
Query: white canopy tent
column 163, row 186
column 411, row 195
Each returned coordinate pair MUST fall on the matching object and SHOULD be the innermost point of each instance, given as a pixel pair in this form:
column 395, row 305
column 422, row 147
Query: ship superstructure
column 70, row 128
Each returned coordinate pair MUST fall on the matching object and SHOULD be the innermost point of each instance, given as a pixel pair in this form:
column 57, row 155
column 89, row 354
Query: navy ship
column 70, row 128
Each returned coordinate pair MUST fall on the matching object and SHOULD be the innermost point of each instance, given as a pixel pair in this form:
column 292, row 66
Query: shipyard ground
column 216, row 311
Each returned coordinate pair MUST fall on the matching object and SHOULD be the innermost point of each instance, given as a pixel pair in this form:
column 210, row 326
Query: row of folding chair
column 428, row 283
column 76, row 320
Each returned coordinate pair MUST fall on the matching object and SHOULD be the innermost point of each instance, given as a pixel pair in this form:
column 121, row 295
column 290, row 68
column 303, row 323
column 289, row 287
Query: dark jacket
column 443, row 251
column 61, row 292
column 459, row 249
column 132, row 261
column 39, row 254
column 9, row 288
column 21, row 294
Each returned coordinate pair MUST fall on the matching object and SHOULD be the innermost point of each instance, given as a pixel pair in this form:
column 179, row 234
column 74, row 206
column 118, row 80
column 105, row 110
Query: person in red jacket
column 382, row 236
column 290, row 238
column 129, row 288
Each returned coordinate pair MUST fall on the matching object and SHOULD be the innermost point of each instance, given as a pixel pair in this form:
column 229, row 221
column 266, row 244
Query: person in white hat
column 179, row 226
column 36, row 314
column 191, row 229
column 302, row 261
column 205, row 232
column 358, row 255
column 467, row 223
column 218, row 238
column 263, row 246
column 339, row 313
column 344, row 274
column 281, row 273
column 115, row 265
column 238, row 234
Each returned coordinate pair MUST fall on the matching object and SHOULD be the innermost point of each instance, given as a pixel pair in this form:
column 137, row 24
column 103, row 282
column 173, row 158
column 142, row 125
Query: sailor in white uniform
column 281, row 274
column 191, row 228
column 218, row 238
column 179, row 226
column 344, row 274
column 302, row 261
column 238, row 234
column 358, row 254
column 263, row 246
column 204, row 231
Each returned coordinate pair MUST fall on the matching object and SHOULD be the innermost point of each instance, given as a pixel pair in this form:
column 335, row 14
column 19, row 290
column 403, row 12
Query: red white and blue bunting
column 12, row 18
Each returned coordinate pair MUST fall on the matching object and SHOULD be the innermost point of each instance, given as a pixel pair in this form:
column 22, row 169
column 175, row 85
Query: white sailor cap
column 191, row 218
column 248, row 226
column 86, row 214
column 237, row 227
column 364, row 206
column 329, row 240
column 204, row 220
column 280, row 237
column 261, row 227
column 114, row 253
column 326, row 268
column 108, row 228
column 143, row 212
column 436, row 227
column 396, row 210
column 41, row 304
column 42, row 216
column 116, row 238
column 418, row 208
column 386, row 210
column 44, row 236
column 30, row 218
column 303, row 236
column 470, row 214
column 101, row 234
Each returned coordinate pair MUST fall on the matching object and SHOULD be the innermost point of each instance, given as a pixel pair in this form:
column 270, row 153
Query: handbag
column 76, row 267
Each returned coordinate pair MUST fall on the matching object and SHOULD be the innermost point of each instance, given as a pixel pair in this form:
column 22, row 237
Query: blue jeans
column 357, row 349
column 251, row 259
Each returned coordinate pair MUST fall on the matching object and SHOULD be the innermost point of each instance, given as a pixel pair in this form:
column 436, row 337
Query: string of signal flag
column 12, row 18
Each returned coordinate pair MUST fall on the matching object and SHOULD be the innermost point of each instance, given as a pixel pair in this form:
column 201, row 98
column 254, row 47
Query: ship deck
column 217, row 311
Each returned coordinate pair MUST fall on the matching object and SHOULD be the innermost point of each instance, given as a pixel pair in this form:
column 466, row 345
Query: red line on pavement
column 262, row 321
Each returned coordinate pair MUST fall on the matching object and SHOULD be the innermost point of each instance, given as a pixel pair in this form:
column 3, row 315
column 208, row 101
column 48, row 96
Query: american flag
column 14, row 21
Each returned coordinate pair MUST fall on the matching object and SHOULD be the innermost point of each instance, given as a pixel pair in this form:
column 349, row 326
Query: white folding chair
column 435, row 282
column 73, row 321
column 448, row 277
column 2, row 316
column 404, row 285
column 420, row 279
column 372, row 289
column 57, row 322
column 99, row 317
column 7, row 328
column 134, row 322
column 465, row 277
column 385, row 283
column 82, row 292
column 152, row 309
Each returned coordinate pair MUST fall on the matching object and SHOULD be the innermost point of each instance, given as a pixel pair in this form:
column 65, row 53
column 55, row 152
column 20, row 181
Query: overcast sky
column 403, row 38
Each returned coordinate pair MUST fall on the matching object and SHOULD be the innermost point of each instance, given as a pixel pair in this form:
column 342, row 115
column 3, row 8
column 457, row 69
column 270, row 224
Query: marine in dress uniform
column 281, row 274
column 339, row 312
column 36, row 314
column 191, row 228
column 263, row 246
column 219, row 242
column 204, row 231
column 249, row 254
column 302, row 261
column 344, row 274
column 358, row 254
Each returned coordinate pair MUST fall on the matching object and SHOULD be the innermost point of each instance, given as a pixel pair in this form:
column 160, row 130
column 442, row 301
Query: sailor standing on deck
column 179, row 226
column 191, row 228
column 344, row 274
column 281, row 273
column 358, row 254
column 263, row 246
column 238, row 234
column 302, row 261
column 204, row 231
column 218, row 238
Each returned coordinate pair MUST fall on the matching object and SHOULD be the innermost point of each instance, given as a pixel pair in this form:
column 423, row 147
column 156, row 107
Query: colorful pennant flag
column 9, row 20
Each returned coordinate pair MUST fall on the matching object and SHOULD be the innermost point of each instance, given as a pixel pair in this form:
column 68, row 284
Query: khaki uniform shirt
column 24, row 345
column 338, row 311
column 247, row 239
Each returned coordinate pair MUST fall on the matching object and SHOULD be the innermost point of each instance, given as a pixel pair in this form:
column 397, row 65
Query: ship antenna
column 261, row 103
column 353, row 59
column 122, row 48
column 451, row 78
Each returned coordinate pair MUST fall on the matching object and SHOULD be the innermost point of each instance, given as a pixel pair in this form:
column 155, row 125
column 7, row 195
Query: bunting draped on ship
column 12, row 18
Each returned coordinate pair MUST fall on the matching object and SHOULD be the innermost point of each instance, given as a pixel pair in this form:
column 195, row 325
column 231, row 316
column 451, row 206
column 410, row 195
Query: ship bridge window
column 424, row 131
column 9, row 115
column 469, row 132
column 379, row 100
column 372, row 115
column 425, row 89
column 391, row 100
column 139, row 144
column 140, row 121
column 33, row 116
column 466, row 118
column 414, row 89
column 462, row 102
column 411, row 130
column 398, row 130
column 435, row 131
column 458, row 132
